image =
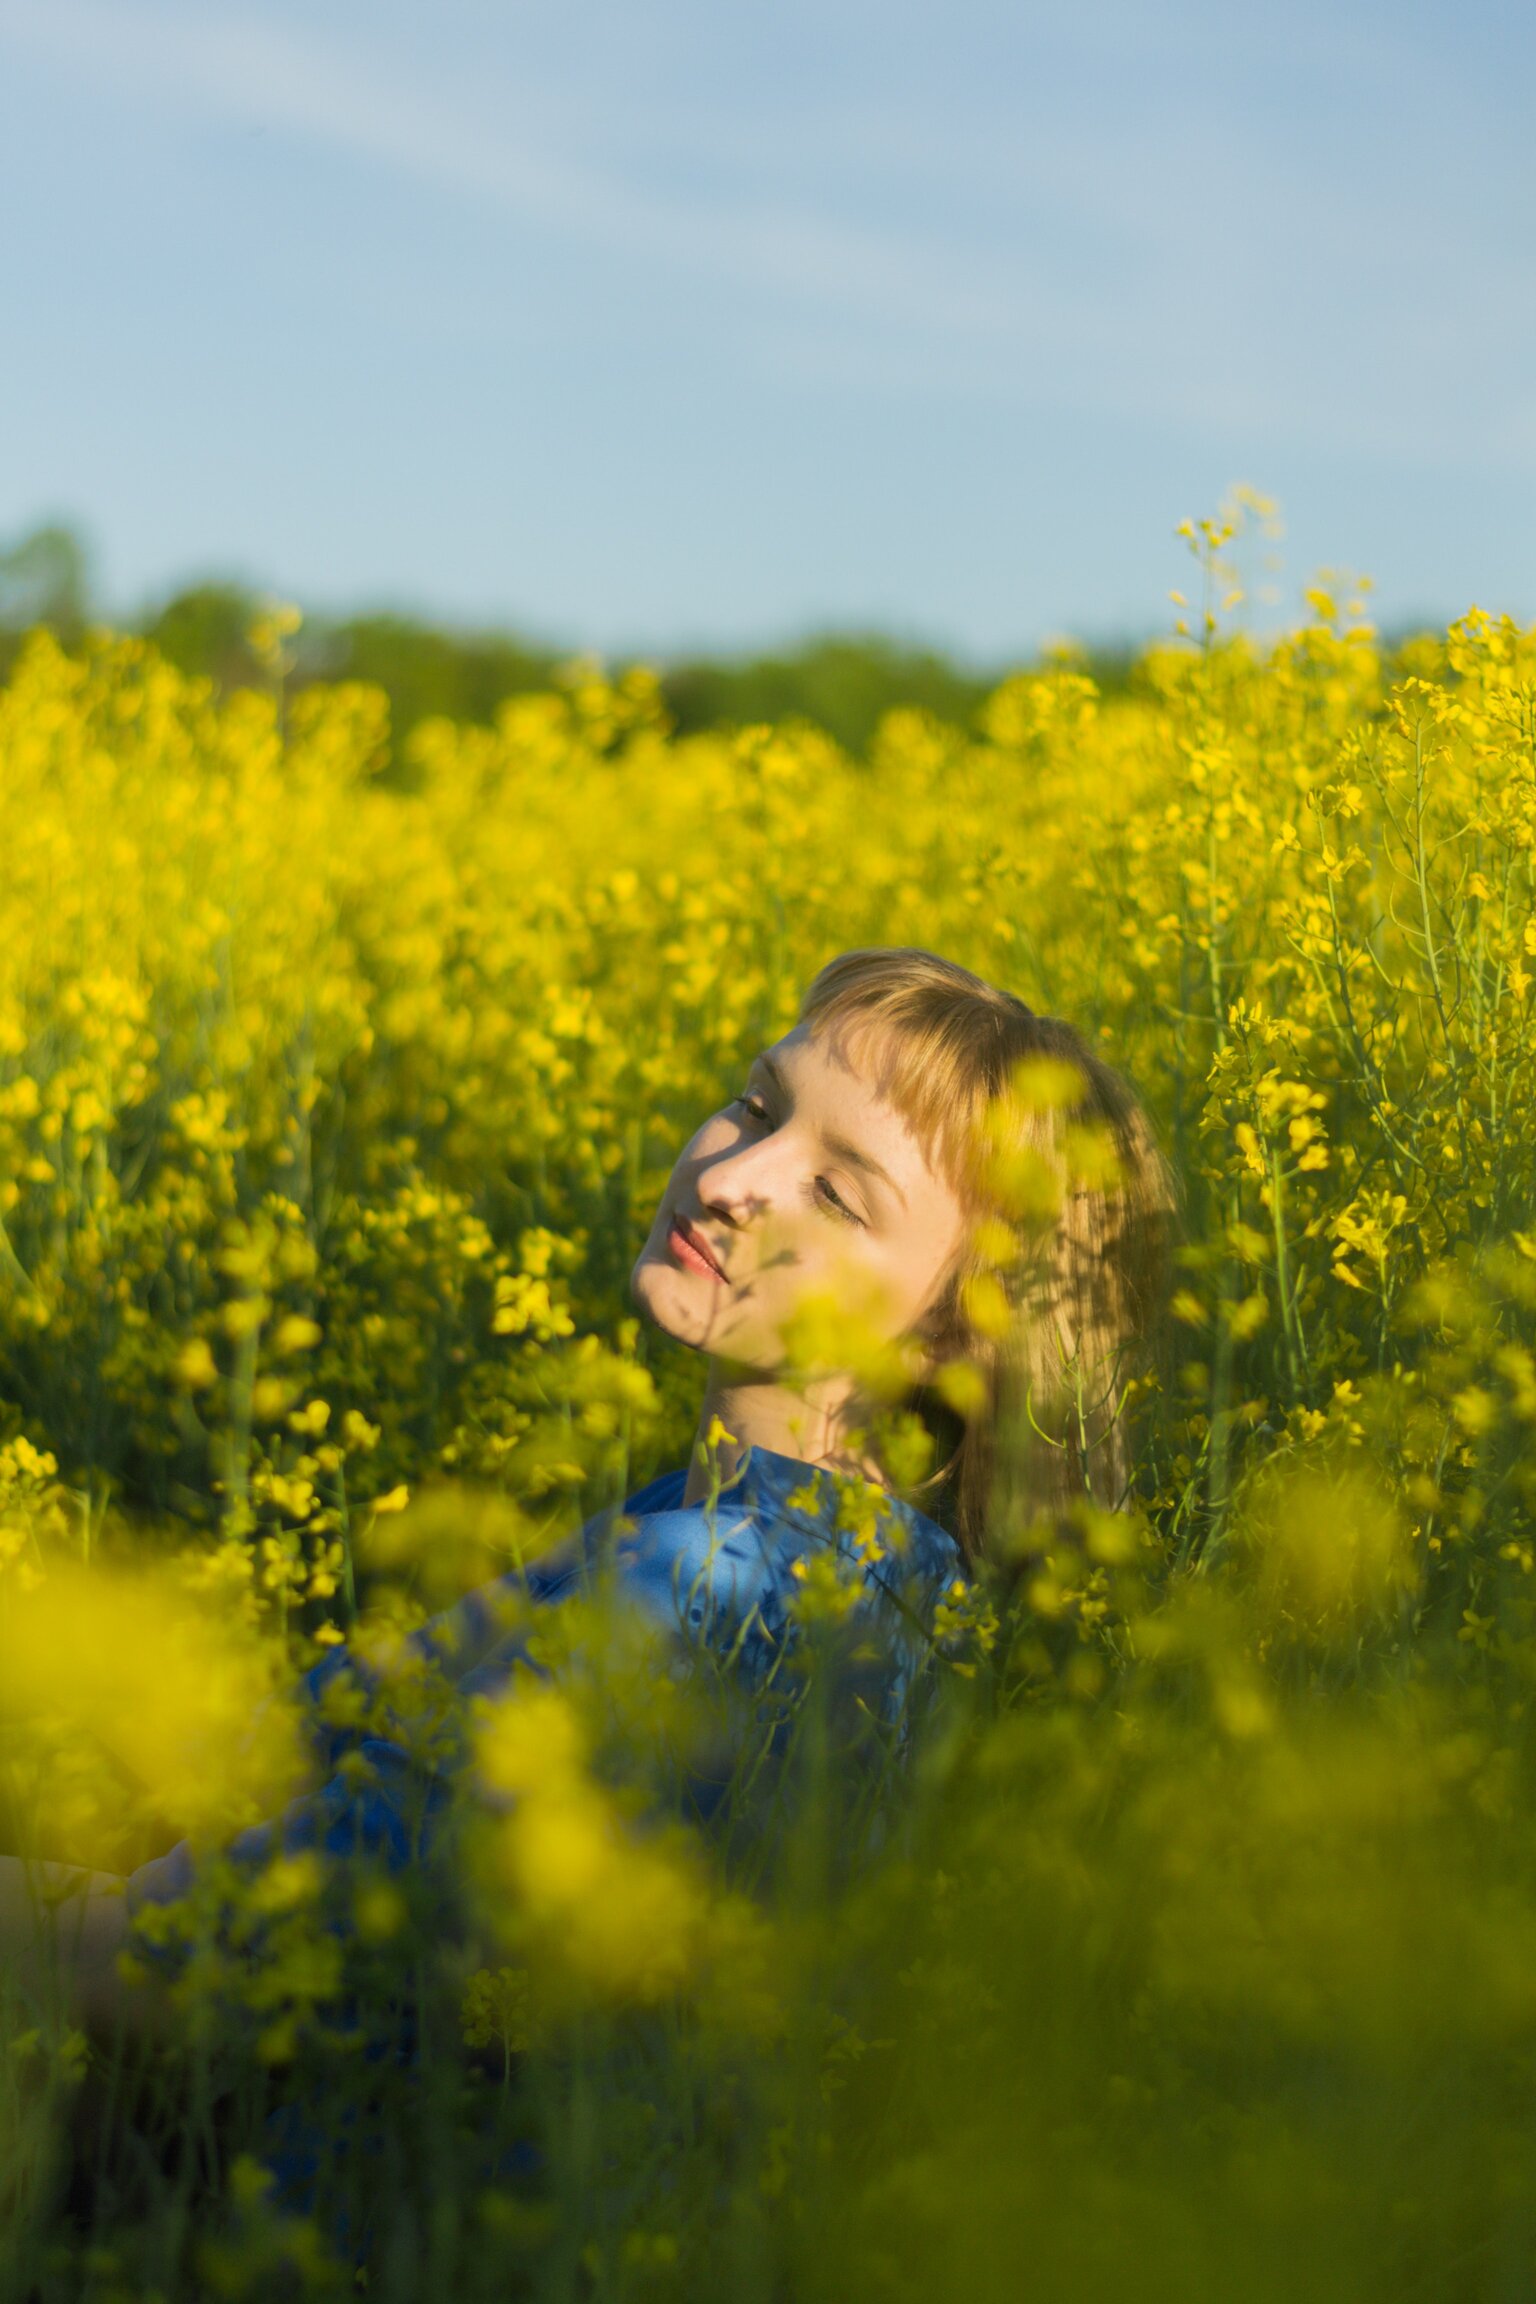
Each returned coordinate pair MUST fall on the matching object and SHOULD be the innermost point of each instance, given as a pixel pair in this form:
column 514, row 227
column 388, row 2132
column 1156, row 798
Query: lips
column 690, row 1247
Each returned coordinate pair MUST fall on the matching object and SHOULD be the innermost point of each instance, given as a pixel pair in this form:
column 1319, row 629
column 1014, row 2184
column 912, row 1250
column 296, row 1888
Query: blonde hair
column 1045, row 1317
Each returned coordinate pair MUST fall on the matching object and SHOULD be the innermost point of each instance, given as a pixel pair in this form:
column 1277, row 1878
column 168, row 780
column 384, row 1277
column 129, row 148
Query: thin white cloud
column 267, row 75
column 1279, row 304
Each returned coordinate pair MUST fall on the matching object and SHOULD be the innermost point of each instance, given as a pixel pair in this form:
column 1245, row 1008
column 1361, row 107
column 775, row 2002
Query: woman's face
column 808, row 1182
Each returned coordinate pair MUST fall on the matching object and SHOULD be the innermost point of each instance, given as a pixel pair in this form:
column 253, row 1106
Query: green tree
column 205, row 631
column 44, row 579
column 844, row 682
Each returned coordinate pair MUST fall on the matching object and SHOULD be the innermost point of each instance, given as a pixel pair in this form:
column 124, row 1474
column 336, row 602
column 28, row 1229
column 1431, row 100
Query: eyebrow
column 840, row 1146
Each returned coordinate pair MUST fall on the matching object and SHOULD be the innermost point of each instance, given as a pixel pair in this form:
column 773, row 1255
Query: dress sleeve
column 386, row 1736
column 381, row 1804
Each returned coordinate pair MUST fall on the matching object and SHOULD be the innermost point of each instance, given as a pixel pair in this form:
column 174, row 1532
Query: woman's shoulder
column 663, row 1494
column 780, row 1542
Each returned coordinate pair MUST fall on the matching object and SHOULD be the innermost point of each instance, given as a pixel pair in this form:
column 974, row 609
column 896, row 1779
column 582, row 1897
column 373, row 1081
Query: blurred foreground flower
column 1327, row 1545
column 603, row 1906
column 123, row 1700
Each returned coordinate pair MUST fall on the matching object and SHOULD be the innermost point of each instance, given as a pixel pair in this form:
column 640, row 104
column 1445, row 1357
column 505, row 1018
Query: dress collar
column 763, row 1475
column 765, row 1480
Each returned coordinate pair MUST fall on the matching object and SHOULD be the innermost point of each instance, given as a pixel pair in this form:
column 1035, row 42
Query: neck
column 817, row 1424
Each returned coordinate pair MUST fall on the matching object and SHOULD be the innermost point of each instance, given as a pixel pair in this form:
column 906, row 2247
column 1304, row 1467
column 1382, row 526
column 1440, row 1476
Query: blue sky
column 669, row 324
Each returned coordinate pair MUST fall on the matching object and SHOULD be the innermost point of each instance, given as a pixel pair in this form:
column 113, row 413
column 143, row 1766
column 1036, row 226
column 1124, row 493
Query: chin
column 687, row 1307
column 670, row 1300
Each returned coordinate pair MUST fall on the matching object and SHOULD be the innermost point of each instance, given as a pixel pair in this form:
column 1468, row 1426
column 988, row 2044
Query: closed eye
column 837, row 1206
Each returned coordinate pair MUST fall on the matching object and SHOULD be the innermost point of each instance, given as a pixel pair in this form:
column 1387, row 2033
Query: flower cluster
column 337, row 1086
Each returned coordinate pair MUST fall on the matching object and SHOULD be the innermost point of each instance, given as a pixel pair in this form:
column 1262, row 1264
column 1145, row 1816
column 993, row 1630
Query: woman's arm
column 61, row 1929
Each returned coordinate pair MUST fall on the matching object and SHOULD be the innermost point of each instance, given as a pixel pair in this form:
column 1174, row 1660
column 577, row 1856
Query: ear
column 935, row 1341
column 940, row 1333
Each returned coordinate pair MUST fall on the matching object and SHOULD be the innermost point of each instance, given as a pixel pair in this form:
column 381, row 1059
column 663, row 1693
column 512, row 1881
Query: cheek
column 682, row 1183
column 918, row 1280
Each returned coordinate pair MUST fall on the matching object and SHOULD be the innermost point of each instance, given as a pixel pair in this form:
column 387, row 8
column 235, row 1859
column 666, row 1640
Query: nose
column 737, row 1187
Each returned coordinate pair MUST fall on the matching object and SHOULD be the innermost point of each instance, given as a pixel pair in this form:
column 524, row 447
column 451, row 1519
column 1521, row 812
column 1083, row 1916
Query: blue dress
column 719, row 1584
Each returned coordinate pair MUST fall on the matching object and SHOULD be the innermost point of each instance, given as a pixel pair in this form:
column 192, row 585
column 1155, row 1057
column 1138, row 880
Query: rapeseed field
column 1193, row 1951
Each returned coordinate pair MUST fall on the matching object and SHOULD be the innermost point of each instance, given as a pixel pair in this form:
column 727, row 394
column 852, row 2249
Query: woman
column 922, row 1171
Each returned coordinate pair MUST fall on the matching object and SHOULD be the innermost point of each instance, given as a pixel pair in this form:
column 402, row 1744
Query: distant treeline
column 842, row 682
